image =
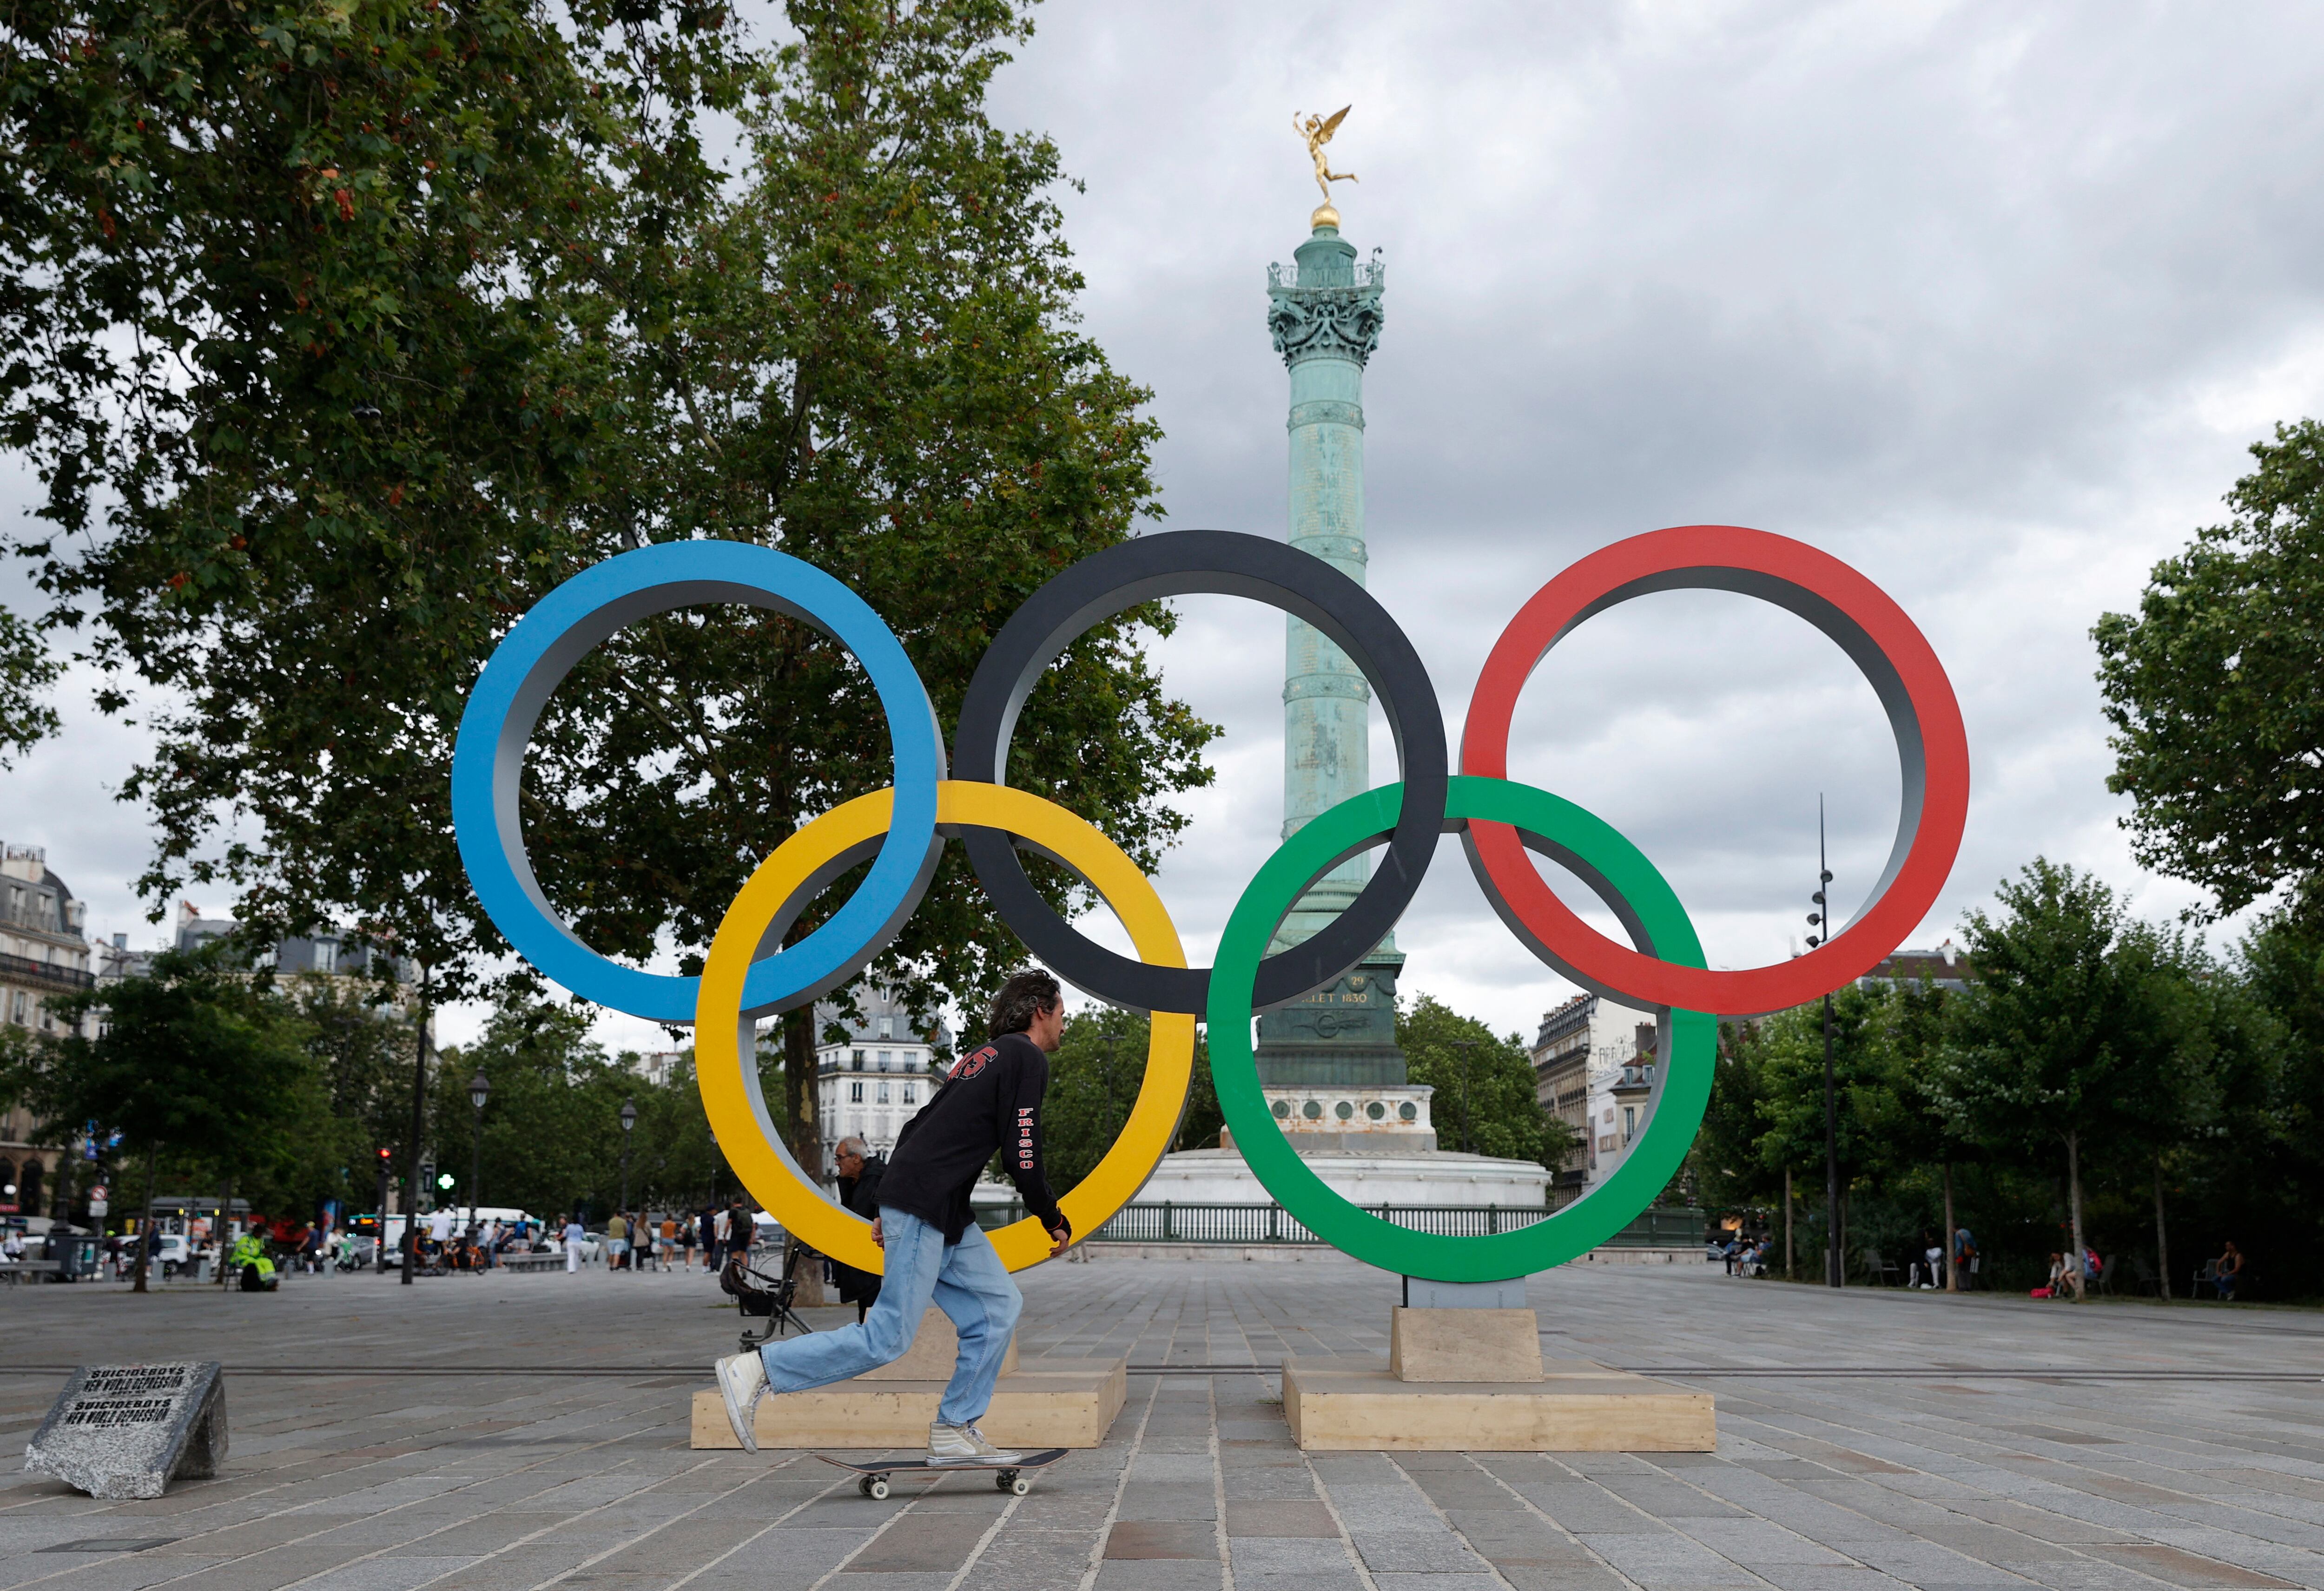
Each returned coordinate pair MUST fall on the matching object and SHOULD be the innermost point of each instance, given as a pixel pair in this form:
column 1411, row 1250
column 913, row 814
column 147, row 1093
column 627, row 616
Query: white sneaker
column 742, row 1381
column 965, row 1444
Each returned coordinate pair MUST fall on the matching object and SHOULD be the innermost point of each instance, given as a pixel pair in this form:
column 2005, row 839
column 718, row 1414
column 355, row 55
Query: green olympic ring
column 1658, row 925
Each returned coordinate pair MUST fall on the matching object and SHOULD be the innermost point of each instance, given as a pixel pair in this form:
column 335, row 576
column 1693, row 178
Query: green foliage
column 348, row 330
column 195, row 1066
column 1093, row 1080
column 2081, row 1023
column 1484, row 1101
column 552, row 1124
column 2213, row 693
column 26, row 670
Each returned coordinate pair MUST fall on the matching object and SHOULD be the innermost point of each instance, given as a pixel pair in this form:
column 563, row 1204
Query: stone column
column 1329, row 1061
column 1324, row 314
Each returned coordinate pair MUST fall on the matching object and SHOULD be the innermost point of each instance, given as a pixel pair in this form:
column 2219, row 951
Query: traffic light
column 386, row 1155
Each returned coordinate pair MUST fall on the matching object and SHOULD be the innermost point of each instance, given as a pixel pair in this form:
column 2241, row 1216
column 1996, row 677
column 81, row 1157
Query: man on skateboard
column 991, row 1100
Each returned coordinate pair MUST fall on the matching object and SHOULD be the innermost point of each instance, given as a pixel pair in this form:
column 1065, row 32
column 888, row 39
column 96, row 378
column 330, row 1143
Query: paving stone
column 1155, row 1574
column 1149, row 1538
column 1175, row 1500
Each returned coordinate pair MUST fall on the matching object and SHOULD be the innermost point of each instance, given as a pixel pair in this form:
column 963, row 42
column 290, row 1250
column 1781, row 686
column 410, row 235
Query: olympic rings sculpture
column 751, row 973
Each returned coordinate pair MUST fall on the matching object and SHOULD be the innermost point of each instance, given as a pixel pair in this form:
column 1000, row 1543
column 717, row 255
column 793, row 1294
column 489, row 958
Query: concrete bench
column 18, row 1270
column 530, row 1262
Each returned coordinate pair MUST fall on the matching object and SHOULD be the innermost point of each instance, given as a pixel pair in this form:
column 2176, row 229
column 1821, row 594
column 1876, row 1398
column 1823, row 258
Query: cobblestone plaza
column 520, row 1432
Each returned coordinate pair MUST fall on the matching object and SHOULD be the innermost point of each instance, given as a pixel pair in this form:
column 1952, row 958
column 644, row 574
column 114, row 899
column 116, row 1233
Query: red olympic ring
column 1895, row 659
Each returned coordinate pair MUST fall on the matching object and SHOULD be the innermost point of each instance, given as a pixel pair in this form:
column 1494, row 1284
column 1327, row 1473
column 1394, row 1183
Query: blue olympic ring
column 488, row 768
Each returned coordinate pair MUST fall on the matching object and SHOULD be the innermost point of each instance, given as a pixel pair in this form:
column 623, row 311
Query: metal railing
column 44, row 974
column 1269, row 1223
column 1366, row 274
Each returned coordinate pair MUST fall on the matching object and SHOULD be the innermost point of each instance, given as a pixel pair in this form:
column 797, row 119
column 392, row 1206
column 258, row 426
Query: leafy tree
column 1783, row 1054
column 1093, row 1080
column 355, row 328
column 196, row 1065
column 1484, row 1101
column 2213, row 693
column 2075, row 1032
column 26, row 670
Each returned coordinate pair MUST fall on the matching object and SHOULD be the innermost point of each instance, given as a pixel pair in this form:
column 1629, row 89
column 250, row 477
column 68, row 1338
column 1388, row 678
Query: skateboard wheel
column 877, row 1487
column 1019, row 1484
column 863, row 1485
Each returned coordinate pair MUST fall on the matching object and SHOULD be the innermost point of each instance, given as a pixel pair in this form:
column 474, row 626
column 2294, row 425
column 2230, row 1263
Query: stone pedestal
column 1038, row 1402
column 1473, row 1380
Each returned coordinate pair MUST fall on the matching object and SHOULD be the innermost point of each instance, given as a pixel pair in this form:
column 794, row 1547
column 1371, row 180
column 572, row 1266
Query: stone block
column 128, row 1430
column 930, row 1358
column 1464, row 1345
column 1351, row 1403
column 1044, row 1403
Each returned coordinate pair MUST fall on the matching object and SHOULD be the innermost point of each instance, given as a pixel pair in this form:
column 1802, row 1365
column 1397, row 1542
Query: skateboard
column 872, row 1478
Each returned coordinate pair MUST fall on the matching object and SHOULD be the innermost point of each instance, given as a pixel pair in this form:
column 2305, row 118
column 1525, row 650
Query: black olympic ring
column 1217, row 562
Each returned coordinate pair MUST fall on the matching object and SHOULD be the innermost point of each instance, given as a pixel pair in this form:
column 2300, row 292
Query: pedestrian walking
column 573, row 1236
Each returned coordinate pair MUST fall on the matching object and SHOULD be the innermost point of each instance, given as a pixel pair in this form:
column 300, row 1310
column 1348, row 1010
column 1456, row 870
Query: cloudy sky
column 1986, row 301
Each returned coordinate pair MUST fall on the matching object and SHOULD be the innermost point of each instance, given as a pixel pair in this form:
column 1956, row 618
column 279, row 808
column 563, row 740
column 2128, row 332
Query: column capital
column 1327, row 304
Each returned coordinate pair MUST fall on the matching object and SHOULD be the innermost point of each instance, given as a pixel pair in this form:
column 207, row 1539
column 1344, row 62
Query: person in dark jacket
column 933, row 1249
column 859, row 1191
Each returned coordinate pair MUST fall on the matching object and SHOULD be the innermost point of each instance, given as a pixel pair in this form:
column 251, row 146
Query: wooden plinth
column 1350, row 1403
column 1044, row 1403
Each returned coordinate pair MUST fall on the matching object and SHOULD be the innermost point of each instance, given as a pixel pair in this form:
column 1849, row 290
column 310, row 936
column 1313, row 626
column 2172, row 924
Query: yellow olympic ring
column 790, row 879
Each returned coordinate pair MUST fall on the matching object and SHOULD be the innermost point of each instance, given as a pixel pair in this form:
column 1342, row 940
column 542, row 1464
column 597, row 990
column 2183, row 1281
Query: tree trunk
column 1841, row 1251
column 2162, row 1239
column 1952, row 1271
column 145, row 1227
column 806, row 1131
column 2074, row 1203
column 1788, row 1273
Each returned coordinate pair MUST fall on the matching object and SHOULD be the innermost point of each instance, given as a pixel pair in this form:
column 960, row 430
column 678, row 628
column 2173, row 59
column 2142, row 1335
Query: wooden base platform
column 1350, row 1403
column 1043, row 1403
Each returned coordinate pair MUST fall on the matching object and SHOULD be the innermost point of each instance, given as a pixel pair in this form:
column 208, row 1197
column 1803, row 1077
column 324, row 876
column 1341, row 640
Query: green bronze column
column 1328, row 1062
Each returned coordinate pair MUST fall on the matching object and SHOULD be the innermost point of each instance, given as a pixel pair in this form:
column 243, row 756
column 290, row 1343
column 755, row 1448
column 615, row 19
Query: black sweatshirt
column 990, row 1099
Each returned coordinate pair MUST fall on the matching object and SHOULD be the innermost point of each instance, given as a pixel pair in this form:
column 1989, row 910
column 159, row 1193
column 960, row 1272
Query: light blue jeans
column 966, row 1281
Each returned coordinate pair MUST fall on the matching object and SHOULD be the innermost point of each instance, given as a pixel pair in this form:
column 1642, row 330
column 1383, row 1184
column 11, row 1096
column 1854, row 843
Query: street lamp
column 1834, row 1262
column 480, row 1088
column 629, row 1125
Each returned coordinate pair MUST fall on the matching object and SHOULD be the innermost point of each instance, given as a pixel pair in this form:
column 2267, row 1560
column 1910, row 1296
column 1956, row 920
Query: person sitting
column 2056, row 1285
column 2226, row 1270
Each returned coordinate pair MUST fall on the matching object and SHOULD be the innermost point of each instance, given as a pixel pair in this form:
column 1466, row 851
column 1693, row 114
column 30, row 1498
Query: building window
column 856, row 1061
column 887, row 1028
column 855, row 1093
column 326, row 955
column 886, row 1059
column 883, row 1090
column 20, row 1013
column 1629, row 1122
column 911, row 1094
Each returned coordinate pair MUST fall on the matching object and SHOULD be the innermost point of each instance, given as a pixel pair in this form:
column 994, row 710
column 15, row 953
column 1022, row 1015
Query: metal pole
column 418, row 1131
column 476, row 1164
column 1835, row 1262
column 1833, row 1270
